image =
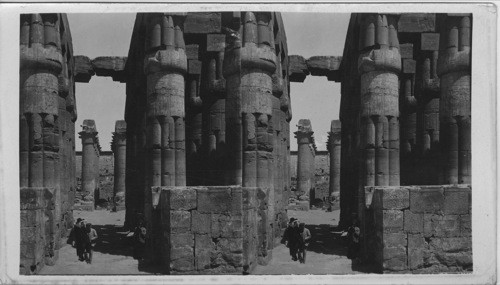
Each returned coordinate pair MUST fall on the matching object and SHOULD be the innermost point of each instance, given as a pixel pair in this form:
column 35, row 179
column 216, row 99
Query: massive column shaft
column 454, row 70
column 165, row 67
column 119, row 147
column 334, row 147
column 379, row 65
column 305, row 157
column 90, row 158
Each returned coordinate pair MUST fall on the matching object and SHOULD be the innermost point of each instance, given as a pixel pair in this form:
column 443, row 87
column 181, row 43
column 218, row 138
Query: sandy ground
column 113, row 254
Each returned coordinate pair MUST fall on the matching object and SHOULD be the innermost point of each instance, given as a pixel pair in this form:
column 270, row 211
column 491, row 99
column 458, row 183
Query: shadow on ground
column 326, row 239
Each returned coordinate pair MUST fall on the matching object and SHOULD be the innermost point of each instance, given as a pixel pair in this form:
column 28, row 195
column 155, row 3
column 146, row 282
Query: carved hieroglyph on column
column 305, row 157
column 454, row 70
column 119, row 147
column 90, row 160
column 165, row 67
column 249, row 64
column 379, row 65
column 334, row 148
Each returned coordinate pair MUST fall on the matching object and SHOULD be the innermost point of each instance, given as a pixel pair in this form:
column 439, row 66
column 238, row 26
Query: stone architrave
column 119, row 147
column 454, row 71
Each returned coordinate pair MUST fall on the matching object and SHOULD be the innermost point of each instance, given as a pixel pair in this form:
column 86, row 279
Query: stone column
column 40, row 65
column 454, row 70
column 165, row 67
column 334, row 148
column 119, row 147
column 305, row 150
column 214, row 124
column 90, row 154
column 194, row 114
column 249, row 64
column 428, row 92
column 379, row 64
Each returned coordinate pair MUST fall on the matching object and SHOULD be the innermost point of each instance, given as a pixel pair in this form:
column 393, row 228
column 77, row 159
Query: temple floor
column 113, row 254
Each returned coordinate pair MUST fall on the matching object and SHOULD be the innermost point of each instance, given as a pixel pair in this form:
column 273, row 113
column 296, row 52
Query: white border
column 484, row 141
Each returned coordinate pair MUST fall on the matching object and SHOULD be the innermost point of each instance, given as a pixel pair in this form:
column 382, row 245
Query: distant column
column 305, row 155
column 454, row 70
column 90, row 155
column 334, row 148
column 119, row 147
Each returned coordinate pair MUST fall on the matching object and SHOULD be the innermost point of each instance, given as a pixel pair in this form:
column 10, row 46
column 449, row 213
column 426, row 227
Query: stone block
column 249, row 197
column 216, row 42
column 394, row 239
column 392, row 220
column 430, row 41
column 201, row 223
column 413, row 222
column 230, row 245
column 450, row 260
column 323, row 65
column 183, row 264
column 451, row 244
column 395, row 259
column 297, row 69
column 108, row 65
column 35, row 198
column 178, row 240
column 194, row 66
column 192, row 51
column 456, row 201
column 33, row 251
column 465, row 225
column 417, row 23
column 202, row 23
column 180, row 221
column 406, row 50
column 392, row 198
column 417, row 251
column 441, row 226
column 426, row 200
column 182, row 198
column 409, row 66
column 236, row 206
column 31, row 218
column 31, row 235
column 214, row 200
column 226, row 226
column 83, row 69
column 202, row 260
column 234, row 259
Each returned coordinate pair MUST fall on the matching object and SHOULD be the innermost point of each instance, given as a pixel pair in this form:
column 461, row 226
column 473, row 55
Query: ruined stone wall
column 209, row 230
column 419, row 229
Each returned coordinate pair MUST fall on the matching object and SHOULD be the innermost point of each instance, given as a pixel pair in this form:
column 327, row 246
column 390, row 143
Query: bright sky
column 308, row 34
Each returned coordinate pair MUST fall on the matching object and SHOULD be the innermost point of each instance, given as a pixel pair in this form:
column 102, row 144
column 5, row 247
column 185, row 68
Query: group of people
column 297, row 238
column 83, row 237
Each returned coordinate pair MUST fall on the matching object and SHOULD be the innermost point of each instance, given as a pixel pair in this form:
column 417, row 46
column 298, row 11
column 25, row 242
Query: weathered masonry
column 203, row 154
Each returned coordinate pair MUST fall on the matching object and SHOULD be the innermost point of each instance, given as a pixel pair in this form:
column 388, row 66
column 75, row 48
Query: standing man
column 91, row 241
column 291, row 238
column 305, row 237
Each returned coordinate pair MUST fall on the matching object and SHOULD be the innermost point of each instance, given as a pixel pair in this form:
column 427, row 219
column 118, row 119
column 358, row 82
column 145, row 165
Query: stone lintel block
column 83, row 69
column 180, row 221
column 193, row 51
column 392, row 221
column 297, row 69
column 441, row 225
column 417, row 23
column 323, row 65
column 215, row 199
column 426, row 199
column 430, row 41
column 409, row 66
column 413, row 222
column 394, row 239
column 451, row 244
column 216, row 42
column 108, row 65
column 33, row 198
column 202, row 23
column 391, row 198
column 406, row 50
column 334, row 75
column 226, row 226
column 180, row 198
column 201, row 223
column 394, row 259
column 194, row 66
column 456, row 201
